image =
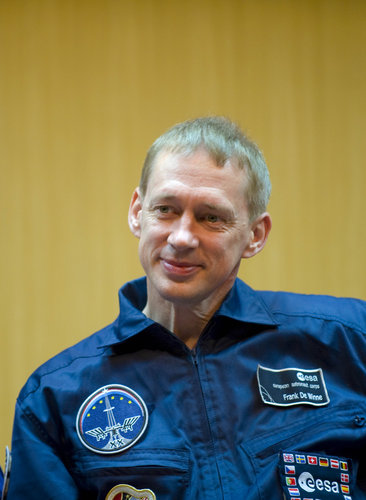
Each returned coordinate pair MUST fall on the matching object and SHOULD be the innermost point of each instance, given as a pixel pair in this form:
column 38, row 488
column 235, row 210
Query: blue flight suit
column 213, row 431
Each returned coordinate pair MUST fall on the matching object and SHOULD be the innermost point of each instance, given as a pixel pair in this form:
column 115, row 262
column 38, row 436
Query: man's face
column 193, row 226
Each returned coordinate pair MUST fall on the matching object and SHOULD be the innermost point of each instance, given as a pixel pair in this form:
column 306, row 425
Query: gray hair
column 224, row 141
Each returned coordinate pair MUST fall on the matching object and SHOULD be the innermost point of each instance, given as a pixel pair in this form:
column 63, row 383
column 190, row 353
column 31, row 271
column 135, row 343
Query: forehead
column 198, row 168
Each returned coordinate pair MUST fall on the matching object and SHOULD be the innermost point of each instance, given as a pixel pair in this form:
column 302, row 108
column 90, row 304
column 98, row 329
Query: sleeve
column 37, row 470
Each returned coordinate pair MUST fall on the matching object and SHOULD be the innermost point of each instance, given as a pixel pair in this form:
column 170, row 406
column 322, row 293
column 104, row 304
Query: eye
column 163, row 209
column 212, row 218
column 214, row 221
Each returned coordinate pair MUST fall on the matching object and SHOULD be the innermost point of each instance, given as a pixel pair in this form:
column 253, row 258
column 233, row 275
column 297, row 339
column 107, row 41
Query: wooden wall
column 87, row 85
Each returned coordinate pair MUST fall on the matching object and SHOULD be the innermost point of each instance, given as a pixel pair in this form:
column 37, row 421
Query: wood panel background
column 87, row 85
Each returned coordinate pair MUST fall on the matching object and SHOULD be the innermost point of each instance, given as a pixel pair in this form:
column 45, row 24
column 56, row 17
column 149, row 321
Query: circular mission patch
column 111, row 419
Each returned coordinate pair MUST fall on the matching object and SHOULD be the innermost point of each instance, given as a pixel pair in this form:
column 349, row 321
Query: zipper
column 194, row 358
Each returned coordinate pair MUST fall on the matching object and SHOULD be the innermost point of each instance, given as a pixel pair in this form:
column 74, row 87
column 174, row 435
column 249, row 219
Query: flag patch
column 323, row 462
column 301, row 459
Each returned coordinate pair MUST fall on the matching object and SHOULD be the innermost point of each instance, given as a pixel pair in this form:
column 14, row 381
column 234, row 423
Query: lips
column 179, row 268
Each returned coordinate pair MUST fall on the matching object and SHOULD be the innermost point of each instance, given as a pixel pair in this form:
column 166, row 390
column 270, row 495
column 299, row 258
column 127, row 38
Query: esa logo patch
column 315, row 477
column 111, row 419
column 127, row 492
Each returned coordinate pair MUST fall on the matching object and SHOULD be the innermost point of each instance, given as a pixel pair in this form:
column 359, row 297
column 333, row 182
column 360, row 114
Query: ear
column 260, row 230
column 134, row 213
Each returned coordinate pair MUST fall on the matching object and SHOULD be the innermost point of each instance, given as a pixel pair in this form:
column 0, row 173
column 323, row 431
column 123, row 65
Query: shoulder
column 63, row 367
column 72, row 365
column 348, row 311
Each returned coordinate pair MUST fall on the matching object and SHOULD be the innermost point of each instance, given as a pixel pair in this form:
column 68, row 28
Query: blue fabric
column 210, row 434
column 1, row 480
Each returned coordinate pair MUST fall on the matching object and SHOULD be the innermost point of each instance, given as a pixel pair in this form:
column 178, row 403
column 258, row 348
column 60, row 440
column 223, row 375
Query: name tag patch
column 292, row 386
column 309, row 476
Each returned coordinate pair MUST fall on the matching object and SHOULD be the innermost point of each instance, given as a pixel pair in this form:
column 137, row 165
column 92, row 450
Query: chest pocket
column 164, row 472
column 335, row 431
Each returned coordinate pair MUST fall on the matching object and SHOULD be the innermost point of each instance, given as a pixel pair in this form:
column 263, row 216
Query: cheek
column 224, row 243
column 150, row 225
column 230, row 250
column 151, row 238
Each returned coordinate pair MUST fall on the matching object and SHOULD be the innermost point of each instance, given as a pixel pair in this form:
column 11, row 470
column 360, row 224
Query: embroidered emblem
column 316, row 476
column 111, row 419
column 127, row 492
column 292, row 386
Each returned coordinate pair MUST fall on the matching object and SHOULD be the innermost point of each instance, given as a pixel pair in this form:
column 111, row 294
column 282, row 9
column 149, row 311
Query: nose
column 182, row 235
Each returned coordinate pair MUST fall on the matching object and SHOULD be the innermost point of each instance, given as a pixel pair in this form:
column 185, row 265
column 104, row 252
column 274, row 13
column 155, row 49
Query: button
column 359, row 421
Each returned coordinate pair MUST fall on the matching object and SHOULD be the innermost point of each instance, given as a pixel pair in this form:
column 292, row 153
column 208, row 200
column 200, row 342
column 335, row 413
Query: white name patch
column 292, row 386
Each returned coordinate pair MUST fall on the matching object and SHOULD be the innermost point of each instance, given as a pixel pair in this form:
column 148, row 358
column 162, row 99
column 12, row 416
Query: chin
column 179, row 293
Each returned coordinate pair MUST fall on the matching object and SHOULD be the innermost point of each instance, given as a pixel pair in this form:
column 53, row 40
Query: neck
column 186, row 321
column 186, row 324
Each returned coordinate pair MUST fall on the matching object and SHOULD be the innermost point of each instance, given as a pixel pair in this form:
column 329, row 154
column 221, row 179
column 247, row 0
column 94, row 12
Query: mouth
column 179, row 268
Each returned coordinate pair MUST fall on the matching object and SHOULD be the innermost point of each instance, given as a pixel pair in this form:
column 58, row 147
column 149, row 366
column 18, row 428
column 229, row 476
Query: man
column 202, row 387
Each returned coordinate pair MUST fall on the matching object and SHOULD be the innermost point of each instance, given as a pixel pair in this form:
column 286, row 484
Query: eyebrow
column 163, row 196
column 207, row 205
